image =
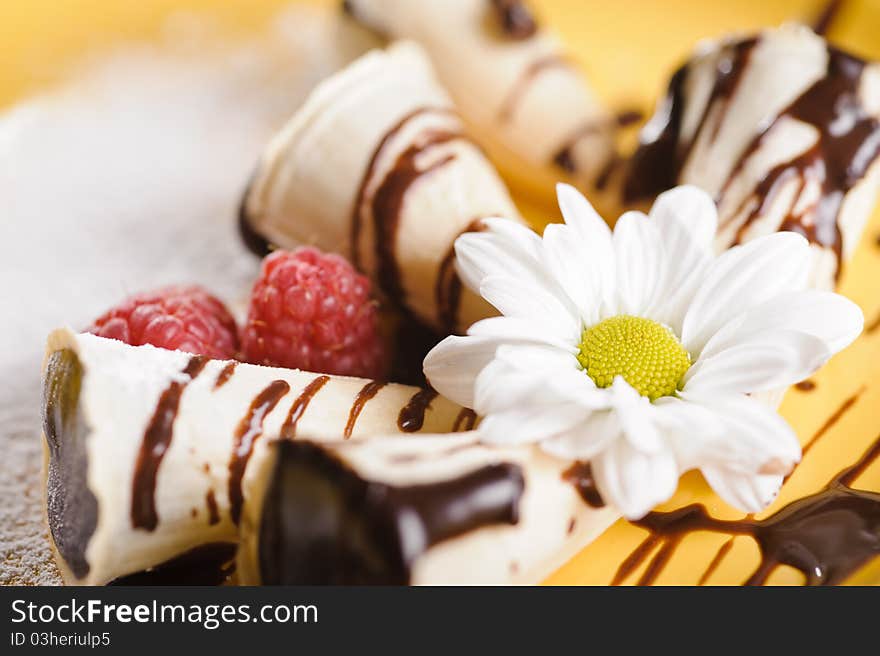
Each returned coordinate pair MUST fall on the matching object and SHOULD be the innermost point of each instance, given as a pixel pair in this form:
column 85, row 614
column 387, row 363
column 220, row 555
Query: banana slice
column 523, row 99
column 432, row 509
column 376, row 166
column 146, row 451
column 782, row 129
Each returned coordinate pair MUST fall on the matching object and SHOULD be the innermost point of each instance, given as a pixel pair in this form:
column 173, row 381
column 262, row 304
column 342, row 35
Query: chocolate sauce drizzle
column 827, row 17
column 564, row 157
column 357, row 217
column 529, row 74
column 412, row 415
column 288, row 428
column 827, row 536
column 447, row 289
column 249, row 430
column 465, row 420
column 157, row 439
column 849, row 142
column 627, row 117
column 656, row 164
column 369, row 532
column 367, row 392
column 213, row 509
column 514, row 19
column 722, row 552
column 225, row 374
column 833, row 419
column 580, row 474
column 388, row 204
column 489, row 495
column 805, row 386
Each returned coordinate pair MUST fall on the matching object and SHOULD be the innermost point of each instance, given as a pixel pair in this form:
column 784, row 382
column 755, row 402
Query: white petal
column 499, row 388
column 686, row 219
column 530, row 422
column 533, row 302
column 504, row 248
column 638, row 252
column 741, row 278
column 517, row 330
column 753, row 438
column 691, row 429
column 688, row 207
column 830, row 317
column 750, row 493
column 567, row 258
column 453, row 365
column 634, row 412
column 586, row 440
column 595, row 239
column 634, row 482
column 510, row 255
column 762, row 362
column 578, row 212
column 520, row 377
column 551, row 374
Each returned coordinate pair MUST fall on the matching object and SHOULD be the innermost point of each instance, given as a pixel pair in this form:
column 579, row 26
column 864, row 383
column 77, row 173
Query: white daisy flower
column 640, row 350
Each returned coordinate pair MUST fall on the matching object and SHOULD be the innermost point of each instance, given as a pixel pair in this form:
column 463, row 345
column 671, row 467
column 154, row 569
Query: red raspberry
column 185, row 318
column 310, row 310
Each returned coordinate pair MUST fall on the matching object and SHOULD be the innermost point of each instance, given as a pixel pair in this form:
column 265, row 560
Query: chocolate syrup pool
column 827, row 536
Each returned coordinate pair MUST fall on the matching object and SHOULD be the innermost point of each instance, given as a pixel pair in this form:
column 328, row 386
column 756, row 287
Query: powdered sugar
column 129, row 178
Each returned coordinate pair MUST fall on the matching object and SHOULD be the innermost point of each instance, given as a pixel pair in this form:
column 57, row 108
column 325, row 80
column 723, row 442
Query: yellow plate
column 629, row 48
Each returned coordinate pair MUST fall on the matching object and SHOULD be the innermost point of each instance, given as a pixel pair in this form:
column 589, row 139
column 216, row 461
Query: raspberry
column 185, row 318
column 310, row 310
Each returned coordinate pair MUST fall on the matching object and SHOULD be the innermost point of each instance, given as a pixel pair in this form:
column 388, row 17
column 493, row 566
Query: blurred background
column 628, row 45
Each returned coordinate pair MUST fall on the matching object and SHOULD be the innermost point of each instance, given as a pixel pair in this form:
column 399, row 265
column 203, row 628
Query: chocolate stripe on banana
column 525, row 80
column 299, row 406
column 412, row 415
column 400, row 181
column 465, row 420
column 848, row 145
column 448, row 288
column 512, row 82
column 361, row 207
column 406, row 520
column 513, row 18
column 157, row 439
column 100, row 400
column 440, row 509
column 367, row 392
column 782, row 129
column 580, row 474
column 224, row 375
column 387, row 206
column 249, row 430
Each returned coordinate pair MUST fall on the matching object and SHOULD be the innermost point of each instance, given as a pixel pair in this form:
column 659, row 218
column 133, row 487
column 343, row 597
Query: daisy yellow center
column 644, row 352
